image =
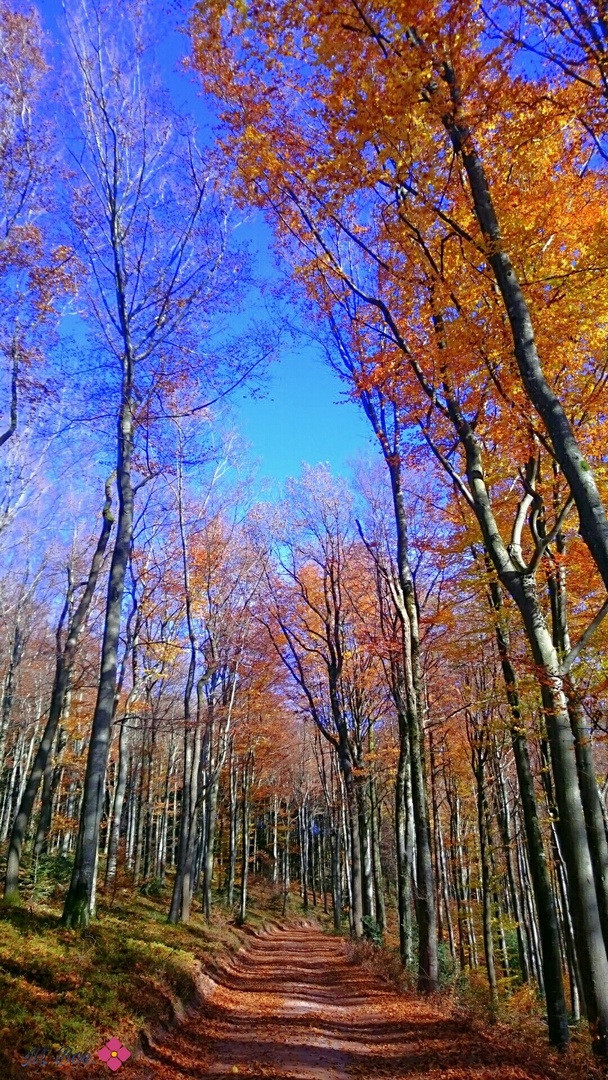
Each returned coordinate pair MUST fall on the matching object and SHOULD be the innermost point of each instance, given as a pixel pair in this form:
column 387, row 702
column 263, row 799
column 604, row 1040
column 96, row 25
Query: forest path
column 292, row 1006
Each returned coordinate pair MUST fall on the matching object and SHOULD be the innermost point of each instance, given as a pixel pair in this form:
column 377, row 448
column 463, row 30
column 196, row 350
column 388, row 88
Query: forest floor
column 293, row 1004
column 279, row 998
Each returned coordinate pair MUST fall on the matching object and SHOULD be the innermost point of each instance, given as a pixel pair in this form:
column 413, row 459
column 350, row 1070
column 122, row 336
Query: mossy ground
column 124, row 974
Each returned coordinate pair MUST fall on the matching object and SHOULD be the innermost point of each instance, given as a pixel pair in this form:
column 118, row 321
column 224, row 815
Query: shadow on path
column 293, row 1007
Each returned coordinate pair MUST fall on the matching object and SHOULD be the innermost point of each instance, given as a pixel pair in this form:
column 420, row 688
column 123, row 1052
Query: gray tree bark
column 64, row 664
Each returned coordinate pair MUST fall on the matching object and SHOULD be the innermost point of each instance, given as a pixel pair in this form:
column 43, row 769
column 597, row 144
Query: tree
column 152, row 233
column 418, row 283
column 313, row 631
column 66, row 650
column 34, row 271
column 352, row 76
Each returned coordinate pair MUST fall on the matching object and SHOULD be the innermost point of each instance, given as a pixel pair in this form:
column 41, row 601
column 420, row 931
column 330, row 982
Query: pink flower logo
column 113, row 1053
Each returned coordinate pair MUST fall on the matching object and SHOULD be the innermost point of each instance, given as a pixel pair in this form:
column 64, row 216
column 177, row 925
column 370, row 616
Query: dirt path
column 292, row 1006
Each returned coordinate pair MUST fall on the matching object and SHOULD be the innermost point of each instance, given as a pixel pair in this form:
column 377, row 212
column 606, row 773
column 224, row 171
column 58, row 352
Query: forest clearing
column 304, row 539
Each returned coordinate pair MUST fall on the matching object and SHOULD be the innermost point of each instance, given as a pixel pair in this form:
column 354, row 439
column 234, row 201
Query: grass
column 126, row 972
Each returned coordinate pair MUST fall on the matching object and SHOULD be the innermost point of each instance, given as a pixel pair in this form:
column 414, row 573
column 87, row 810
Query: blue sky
column 303, row 418
column 303, row 414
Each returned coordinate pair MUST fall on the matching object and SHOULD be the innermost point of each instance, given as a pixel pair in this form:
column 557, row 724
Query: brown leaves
column 293, row 1006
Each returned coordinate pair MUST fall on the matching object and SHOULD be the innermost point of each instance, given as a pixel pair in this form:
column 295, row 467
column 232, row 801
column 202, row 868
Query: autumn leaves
column 434, row 178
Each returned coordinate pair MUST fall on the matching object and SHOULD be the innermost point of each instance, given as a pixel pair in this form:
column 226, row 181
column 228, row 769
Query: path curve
column 292, row 1007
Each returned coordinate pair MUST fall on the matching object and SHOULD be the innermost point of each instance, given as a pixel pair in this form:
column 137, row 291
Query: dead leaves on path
column 293, row 1008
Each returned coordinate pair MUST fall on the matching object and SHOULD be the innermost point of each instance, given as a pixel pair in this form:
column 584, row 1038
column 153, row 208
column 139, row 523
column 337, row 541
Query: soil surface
column 292, row 1005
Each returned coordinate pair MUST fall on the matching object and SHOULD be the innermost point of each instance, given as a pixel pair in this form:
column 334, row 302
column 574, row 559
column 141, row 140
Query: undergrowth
column 76, row 989
column 464, row 996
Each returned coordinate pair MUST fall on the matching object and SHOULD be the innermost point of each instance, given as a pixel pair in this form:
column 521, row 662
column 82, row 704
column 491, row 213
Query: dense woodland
column 385, row 695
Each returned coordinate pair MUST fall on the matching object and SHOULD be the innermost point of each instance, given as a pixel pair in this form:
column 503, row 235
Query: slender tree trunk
column 590, row 946
column 323, row 863
column 356, row 877
column 194, row 801
column 406, row 604
column 504, row 821
column 591, row 512
column 119, row 798
column 583, row 899
column 479, row 754
column 63, row 669
column 286, row 876
column 245, row 787
column 557, row 1017
column 275, row 839
column 51, row 783
column 367, row 880
column 347, row 843
column 583, row 745
column 404, row 870
column 375, row 837
column 211, row 808
column 9, row 687
column 164, row 834
column 336, row 884
column 233, row 830
column 446, row 892
column 77, row 909
column 312, row 863
column 303, row 838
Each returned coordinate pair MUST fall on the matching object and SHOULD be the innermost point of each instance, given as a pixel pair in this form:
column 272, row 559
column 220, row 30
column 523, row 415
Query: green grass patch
column 64, row 988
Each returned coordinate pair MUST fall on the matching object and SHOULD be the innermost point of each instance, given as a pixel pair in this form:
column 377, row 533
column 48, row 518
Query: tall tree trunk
column 446, row 892
column 245, row 787
column 8, row 694
column 303, row 838
column 521, row 585
column 323, row 862
column 375, row 837
column 51, row 783
column 591, row 512
column 404, row 597
column 275, row 839
column 557, row 1017
column 356, row 876
column 404, row 869
column 590, row 946
column 583, row 746
column 119, row 798
column 504, row 822
column 211, row 809
column 367, row 880
column 286, row 875
column 233, row 830
column 78, row 909
column 64, row 663
column 479, row 739
column 336, row 883
column 164, row 834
